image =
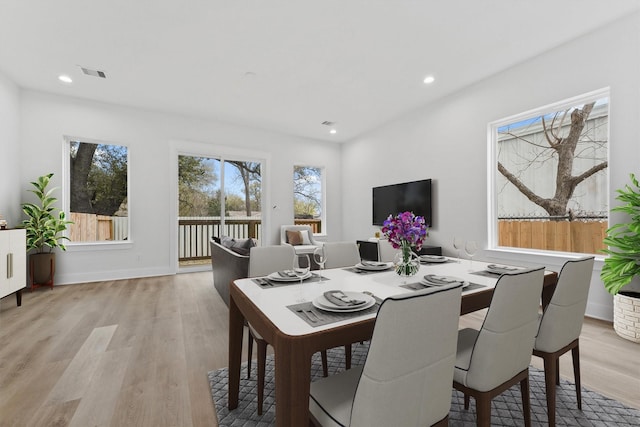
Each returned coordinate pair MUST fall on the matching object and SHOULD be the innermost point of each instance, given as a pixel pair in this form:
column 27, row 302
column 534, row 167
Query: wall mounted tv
column 392, row 199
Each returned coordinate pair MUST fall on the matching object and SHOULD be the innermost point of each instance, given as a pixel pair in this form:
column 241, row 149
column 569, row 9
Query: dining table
column 287, row 316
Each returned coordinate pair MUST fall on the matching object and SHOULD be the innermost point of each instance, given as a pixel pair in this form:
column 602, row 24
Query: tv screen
column 392, row 199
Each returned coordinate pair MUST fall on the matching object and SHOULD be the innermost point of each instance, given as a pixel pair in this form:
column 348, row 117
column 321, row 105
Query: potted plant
column 623, row 263
column 44, row 226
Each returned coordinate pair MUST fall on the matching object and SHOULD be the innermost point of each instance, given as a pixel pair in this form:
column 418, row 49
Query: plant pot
column 626, row 315
column 42, row 268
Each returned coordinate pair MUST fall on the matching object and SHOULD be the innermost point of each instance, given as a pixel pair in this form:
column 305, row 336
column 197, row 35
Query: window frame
column 66, row 198
column 492, row 169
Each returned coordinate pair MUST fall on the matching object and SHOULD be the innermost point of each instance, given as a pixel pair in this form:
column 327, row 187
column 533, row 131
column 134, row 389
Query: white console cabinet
column 13, row 262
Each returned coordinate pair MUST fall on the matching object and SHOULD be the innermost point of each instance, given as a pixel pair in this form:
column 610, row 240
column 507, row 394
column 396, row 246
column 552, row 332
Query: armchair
column 303, row 242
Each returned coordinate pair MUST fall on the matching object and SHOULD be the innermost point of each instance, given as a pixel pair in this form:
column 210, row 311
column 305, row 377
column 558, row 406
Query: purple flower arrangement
column 405, row 229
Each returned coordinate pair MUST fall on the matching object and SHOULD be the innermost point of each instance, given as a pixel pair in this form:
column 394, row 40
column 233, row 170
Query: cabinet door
column 13, row 261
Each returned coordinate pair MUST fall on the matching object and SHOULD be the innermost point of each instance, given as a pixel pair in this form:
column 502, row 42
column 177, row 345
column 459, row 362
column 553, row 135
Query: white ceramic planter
column 626, row 317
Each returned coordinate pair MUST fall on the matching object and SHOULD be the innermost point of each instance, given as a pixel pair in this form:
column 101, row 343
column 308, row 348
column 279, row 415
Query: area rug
column 506, row 410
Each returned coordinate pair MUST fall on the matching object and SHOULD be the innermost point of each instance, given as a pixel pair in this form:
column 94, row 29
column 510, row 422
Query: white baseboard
column 100, row 276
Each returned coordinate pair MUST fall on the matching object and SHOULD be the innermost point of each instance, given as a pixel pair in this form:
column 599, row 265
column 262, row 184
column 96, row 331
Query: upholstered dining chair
column 341, row 254
column 560, row 327
column 406, row 377
column 264, row 260
column 496, row 357
column 386, row 252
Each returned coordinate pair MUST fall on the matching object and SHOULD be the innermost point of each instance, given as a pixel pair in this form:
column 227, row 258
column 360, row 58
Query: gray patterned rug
column 597, row 410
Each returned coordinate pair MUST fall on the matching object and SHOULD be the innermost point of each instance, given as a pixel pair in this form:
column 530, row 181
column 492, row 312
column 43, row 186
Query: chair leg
column 575, row 354
column 347, row 356
column 325, row 368
column 249, row 353
column 483, row 411
column 262, row 361
column 466, row 401
column 551, row 376
column 558, row 371
column 526, row 406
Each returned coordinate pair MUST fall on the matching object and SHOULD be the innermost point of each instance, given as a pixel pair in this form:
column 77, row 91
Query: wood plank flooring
column 136, row 353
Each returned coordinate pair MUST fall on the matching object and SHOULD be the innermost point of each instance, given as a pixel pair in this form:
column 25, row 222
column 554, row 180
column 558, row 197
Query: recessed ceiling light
column 332, row 131
column 429, row 79
column 65, row 79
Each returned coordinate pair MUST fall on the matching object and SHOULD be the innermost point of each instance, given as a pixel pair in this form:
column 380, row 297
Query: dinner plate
column 374, row 266
column 440, row 280
column 276, row 277
column 432, row 258
column 323, row 304
column 501, row 269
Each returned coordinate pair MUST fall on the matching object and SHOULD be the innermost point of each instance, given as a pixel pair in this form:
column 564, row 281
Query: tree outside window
column 98, row 192
column 551, row 184
column 308, row 196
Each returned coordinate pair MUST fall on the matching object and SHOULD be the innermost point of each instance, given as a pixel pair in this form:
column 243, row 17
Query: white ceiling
column 283, row 65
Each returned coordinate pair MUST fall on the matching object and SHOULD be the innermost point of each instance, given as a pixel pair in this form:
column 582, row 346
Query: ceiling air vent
column 328, row 123
column 94, row 73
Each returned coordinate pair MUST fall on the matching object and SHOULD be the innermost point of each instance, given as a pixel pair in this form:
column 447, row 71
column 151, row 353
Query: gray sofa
column 227, row 266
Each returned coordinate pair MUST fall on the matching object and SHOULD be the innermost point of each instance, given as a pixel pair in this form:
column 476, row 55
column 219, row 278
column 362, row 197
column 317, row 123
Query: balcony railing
column 194, row 233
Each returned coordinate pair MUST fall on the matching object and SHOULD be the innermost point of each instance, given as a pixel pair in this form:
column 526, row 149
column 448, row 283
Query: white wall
column 153, row 139
column 447, row 140
column 9, row 152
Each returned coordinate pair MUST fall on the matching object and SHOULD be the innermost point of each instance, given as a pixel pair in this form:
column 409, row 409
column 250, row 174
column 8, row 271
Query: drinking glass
column 301, row 267
column 458, row 243
column 320, row 257
column 471, row 247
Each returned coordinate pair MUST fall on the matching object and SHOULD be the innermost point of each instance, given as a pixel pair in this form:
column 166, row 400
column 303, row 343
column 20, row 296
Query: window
column 308, row 197
column 549, row 182
column 97, row 191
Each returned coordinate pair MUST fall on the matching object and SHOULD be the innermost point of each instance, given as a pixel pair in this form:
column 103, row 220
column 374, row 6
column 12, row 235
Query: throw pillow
column 305, row 237
column 294, row 237
column 243, row 246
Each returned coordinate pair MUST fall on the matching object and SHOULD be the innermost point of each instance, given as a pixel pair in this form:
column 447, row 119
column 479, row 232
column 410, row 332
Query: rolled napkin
column 441, row 280
column 338, row 298
column 287, row 273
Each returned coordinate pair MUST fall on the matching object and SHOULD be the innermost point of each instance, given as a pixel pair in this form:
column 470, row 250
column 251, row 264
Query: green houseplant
column 44, row 225
column 623, row 262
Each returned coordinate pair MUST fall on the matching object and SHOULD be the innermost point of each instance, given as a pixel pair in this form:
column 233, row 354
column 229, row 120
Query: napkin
column 504, row 268
column 338, row 298
column 287, row 273
column 440, row 280
column 374, row 263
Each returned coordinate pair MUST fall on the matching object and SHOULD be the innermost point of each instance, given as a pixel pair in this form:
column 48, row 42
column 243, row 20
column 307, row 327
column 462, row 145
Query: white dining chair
column 496, row 357
column 386, row 252
column 560, row 327
column 406, row 377
column 341, row 254
column 264, row 260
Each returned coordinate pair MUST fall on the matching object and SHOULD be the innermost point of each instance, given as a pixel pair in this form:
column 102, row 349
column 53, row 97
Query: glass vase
column 406, row 261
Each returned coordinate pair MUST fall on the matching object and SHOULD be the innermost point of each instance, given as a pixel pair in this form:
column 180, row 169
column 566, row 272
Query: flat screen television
column 392, row 199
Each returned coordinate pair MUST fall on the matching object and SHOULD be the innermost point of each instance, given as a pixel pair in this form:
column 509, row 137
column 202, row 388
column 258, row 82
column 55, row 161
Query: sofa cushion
column 239, row 246
column 294, row 237
column 305, row 237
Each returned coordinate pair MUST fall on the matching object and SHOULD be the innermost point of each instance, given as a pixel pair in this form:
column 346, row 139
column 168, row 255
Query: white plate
column 432, row 258
column 276, row 277
column 374, row 266
column 428, row 282
column 323, row 304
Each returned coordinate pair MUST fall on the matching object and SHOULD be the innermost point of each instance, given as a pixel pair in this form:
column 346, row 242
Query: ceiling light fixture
column 429, row 79
column 65, row 79
column 332, row 131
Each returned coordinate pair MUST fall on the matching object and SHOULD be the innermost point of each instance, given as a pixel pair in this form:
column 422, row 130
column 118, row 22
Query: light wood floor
column 136, row 353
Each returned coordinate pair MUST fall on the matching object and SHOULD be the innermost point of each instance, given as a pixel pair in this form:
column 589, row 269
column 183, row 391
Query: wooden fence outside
column 566, row 236
column 97, row 228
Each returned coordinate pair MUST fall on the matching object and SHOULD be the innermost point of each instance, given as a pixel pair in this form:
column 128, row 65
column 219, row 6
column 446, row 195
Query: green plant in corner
column 44, row 226
column 623, row 240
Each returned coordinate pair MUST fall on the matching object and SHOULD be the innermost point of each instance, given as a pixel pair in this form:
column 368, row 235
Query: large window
column 308, row 199
column 97, row 191
column 549, row 181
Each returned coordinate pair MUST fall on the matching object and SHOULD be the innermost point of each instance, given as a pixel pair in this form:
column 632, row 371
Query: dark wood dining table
column 268, row 309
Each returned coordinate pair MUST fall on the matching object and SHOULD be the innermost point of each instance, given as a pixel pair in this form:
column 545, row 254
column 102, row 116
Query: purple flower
column 405, row 228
